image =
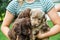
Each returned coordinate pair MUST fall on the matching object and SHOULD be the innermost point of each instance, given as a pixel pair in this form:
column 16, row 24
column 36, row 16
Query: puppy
column 38, row 21
column 21, row 29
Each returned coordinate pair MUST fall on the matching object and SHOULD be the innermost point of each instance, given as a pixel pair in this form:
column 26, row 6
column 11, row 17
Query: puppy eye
column 38, row 18
column 33, row 17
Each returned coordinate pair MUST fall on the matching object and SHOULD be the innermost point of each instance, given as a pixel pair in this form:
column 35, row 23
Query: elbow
column 56, row 22
column 1, row 28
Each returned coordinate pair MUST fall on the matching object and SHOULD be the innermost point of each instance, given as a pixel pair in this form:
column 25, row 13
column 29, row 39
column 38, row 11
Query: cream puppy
column 38, row 21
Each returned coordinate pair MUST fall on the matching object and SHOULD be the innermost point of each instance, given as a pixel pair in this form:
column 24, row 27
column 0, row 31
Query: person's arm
column 6, row 22
column 56, row 28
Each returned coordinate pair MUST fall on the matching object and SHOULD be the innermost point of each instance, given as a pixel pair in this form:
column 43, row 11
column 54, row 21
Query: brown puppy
column 25, row 13
column 21, row 29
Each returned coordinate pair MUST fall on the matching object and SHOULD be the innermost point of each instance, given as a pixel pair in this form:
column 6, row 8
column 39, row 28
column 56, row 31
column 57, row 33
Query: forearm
column 52, row 31
column 5, row 30
column 55, row 18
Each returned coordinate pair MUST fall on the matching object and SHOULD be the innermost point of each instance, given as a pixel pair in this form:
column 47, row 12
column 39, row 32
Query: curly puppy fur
column 25, row 13
column 21, row 27
column 38, row 21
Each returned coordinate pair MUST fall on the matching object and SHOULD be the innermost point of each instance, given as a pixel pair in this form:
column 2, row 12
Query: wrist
column 40, row 36
column 43, row 36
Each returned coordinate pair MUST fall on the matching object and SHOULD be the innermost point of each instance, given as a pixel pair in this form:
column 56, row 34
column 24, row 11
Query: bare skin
column 6, row 22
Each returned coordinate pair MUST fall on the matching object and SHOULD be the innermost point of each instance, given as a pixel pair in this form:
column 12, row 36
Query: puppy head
column 25, row 13
column 36, row 16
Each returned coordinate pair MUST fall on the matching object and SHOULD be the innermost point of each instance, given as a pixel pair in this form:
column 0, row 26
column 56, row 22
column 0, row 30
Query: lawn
column 55, row 37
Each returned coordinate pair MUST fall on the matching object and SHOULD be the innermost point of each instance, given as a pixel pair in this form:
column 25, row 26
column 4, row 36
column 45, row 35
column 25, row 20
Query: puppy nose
column 34, row 24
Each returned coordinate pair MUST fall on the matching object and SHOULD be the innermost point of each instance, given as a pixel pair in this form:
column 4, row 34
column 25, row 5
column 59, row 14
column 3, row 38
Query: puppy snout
column 35, row 23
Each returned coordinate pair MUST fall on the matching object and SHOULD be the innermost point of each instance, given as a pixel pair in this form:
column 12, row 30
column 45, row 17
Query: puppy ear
column 32, row 11
column 27, row 12
column 24, row 13
column 17, row 28
column 20, row 15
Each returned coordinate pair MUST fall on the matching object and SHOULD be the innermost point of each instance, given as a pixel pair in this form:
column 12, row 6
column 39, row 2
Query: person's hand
column 39, row 35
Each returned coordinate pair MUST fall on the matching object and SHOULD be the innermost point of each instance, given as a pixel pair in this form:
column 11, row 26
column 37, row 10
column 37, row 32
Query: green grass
column 55, row 37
